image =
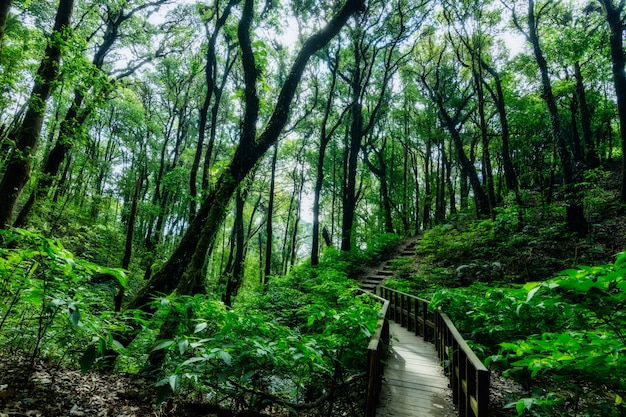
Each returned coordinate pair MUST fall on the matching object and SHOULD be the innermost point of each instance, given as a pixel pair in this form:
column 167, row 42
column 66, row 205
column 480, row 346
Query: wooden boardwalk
column 414, row 383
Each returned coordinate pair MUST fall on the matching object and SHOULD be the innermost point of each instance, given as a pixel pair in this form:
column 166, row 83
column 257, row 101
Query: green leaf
column 74, row 314
column 531, row 285
column 532, row 293
column 225, row 357
column 117, row 345
column 88, row 358
column 173, row 382
column 164, row 344
column 193, row 360
column 183, row 345
column 200, row 327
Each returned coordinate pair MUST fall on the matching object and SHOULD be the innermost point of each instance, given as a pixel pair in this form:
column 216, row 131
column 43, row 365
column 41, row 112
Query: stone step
column 384, row 273
column 371, row 281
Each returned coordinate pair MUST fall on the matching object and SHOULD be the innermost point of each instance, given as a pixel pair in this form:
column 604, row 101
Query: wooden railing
column 410, row 312
column 469, row 378
column 376, row 354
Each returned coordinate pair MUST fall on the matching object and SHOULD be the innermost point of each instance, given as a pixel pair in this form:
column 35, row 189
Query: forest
column 190, row 188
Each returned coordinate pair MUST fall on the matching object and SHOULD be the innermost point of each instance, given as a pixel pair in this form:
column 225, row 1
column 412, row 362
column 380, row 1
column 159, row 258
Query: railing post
column 425, row 319
column 401, row 310
column 482, row 392
column 416, row 310
column 407, row 306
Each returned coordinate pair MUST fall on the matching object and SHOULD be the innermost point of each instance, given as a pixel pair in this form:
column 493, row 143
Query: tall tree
column 615, row 18
column 213, row 95
column 326, row 134
column 575, row 216
column 26, row 136
column 376, row 55
column 451, row 94
column 5, row 7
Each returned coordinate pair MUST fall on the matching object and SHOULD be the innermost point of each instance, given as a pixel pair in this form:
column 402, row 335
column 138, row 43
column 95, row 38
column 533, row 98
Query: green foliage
column 305, row 334
column 568, row 329
column 52, row 303
column 458, row 241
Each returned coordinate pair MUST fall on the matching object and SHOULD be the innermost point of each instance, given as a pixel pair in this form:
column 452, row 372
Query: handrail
column 469, row 378
column 376, row 353
column 411, row 312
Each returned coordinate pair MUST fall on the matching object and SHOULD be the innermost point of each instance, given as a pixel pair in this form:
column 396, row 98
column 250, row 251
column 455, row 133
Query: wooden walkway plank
column 414, row 384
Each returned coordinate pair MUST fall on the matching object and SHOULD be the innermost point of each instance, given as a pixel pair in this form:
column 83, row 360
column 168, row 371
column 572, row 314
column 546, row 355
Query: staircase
column 377, row 276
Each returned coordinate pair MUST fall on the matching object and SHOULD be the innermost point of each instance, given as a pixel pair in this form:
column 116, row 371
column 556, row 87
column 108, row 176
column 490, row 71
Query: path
column 414, row 384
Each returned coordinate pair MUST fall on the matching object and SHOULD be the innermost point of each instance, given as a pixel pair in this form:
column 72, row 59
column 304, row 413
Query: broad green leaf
column 74, row 314
column 183, row 345
column 530, row 285
column 173, row 381
column 193, row 360
column 164, row 344
column 225, row 357
column 532, row 293
column 200, row 327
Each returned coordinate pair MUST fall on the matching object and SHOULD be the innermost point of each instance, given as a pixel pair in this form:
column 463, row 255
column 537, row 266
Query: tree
column 615, row 18
column 26, row 136
column 574, row 209
column 376, row 57
column 5, row 6
column 451, row 95
column 326, row 134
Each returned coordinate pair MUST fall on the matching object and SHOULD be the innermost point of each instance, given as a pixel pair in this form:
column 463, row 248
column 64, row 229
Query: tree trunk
column 428, row 169
column 352, row 151
column 26, row 136
column 5, row 6
column 380, row 172
column 484, row 136
column 235, row 277
column 613, row 16
column 128, row 247
column 498, row 97
column 296, row 224
column 214, row 93
column 269, row 224
column 591, row 158
column 449, row 184
column 574, row 210
column 577, row 150
column 325, row 137
column 482, row 201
